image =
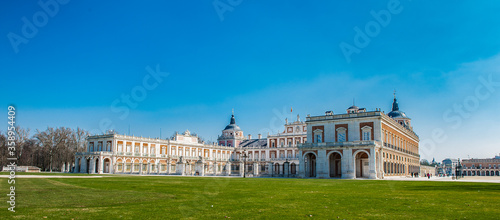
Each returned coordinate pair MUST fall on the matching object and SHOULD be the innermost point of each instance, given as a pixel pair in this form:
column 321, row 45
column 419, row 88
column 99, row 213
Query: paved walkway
column 49, row 176
column 482, row 179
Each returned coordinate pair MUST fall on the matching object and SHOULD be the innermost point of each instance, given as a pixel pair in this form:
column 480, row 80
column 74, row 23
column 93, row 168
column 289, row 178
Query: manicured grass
column 135, row 197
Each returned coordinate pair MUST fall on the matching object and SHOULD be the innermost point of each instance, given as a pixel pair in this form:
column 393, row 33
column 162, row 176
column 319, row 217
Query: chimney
column 249, row 136
column 260, row 136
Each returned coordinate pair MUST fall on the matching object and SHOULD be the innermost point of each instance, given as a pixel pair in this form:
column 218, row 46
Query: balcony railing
column 338, row 144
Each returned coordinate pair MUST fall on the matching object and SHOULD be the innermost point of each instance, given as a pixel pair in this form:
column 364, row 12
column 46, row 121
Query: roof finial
column 394, row 93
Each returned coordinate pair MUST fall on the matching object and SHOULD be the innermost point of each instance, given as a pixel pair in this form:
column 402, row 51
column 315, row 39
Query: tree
column 56, row 143
column 424, row 162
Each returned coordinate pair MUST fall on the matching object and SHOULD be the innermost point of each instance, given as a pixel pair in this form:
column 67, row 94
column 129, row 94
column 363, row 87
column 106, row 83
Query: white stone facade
column 359, row 144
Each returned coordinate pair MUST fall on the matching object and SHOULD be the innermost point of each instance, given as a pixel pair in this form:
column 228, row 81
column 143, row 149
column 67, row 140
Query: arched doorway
column 293, row 168
column 87, row 165
column 96, row 165
column 362, row 165
column 277, row 168
column 310, row 165
column 335, row 164
column 107, row 164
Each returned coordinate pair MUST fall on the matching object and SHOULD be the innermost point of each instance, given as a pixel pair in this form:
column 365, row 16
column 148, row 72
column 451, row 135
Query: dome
column 353, row 108
column 232, row 125
column 395, row 113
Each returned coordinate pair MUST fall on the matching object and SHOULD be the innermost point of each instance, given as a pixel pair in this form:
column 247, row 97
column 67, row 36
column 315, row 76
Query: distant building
column 424, row 170
column 481, row 167
column 448, row 167
column 27, row 169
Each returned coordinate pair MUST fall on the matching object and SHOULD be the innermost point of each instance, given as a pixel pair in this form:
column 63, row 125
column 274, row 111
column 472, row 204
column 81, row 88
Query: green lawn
column 252, row 198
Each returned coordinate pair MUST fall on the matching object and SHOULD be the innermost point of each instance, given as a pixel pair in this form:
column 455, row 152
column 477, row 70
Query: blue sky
column 261, row 59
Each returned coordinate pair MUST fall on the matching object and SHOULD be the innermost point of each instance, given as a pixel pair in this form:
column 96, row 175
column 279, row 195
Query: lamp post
column 458, row 172
column 244, row 162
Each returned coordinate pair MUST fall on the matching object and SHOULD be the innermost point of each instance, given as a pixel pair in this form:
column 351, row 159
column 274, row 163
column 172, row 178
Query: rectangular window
column 341, row 136
column 366, row 135
column 318, row 138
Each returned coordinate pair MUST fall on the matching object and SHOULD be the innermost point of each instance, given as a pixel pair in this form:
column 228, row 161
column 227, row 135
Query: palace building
column 357, row 144
column 481, row 167
column 185, row 154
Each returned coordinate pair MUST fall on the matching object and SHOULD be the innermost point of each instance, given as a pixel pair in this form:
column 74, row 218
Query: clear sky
column 71, row 63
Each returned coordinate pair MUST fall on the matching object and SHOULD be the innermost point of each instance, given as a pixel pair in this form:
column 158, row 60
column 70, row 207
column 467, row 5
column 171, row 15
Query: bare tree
column 55, row 142
column 22, row 136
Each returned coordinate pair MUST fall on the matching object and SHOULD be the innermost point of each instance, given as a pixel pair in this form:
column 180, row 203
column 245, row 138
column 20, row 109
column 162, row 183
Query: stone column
column 321, row 165
column 149, row 168
column 100, row 165
column 242, row 168
column 140, row 167
column 84, row 165
column 91, row 166
column 256, row 169
column 132, row 167
column 302, row 167
column 77, row 166
column 228, row 168
column 286, row 169
column 347, row 165
column 372, row 164
column 271, row 168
